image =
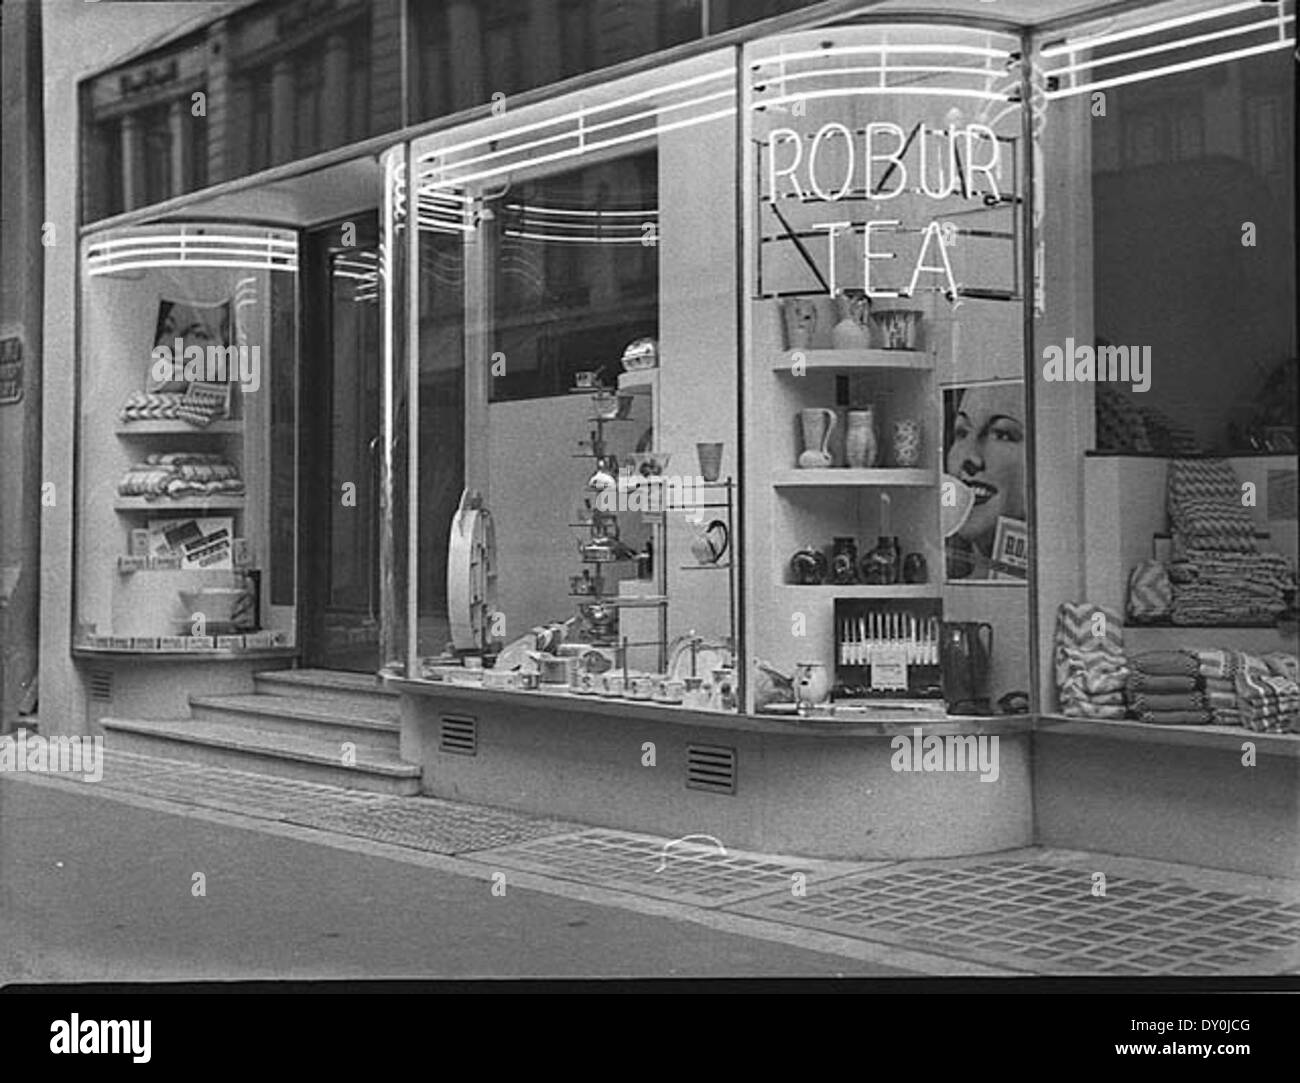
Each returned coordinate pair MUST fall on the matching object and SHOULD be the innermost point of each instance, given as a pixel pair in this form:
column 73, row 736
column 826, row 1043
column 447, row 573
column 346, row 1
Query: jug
column 965, row 659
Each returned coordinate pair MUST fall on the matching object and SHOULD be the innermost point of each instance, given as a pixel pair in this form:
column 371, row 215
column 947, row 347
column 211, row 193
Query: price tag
column 889, row 669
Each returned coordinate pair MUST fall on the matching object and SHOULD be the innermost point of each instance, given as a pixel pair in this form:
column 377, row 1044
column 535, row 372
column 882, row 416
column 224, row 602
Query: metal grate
column 1043, row 918
column 711, row 768
column 458, row 734
column 101, row 685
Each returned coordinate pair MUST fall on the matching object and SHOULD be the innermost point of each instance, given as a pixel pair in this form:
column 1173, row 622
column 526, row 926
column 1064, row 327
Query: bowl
column 641, row 354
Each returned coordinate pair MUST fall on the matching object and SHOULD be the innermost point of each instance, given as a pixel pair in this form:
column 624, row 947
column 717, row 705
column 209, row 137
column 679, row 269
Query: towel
column 1145, row 703
column 1166, row 663
column 1177, row 718
column 1146, row 682
column 1215, row 663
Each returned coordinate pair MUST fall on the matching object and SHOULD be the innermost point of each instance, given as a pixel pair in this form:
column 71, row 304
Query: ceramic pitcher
column 848, row 333
column 860, row 447
column 800, row 322
column 817, row 424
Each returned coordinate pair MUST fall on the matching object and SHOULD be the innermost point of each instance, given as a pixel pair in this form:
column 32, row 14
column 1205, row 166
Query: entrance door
column 340, row 387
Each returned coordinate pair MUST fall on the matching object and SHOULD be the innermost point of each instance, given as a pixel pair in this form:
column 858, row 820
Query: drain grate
column 693, row 870
column 425, row 823
column 1044, row 919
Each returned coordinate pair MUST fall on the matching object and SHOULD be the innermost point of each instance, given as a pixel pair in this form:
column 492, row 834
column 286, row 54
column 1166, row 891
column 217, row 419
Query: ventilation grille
column 101, row 685
column 458, row 734
column 711, row 768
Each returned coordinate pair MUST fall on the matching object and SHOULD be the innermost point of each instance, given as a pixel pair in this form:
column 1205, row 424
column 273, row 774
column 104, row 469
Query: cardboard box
column 173, row 643
column 144, row 643
column 230, row 643
column 258, row 641
column 200, row 643
column 120, row 643
column 165, row 562
column 139, row 543
column 130, row 565
column 242, row 553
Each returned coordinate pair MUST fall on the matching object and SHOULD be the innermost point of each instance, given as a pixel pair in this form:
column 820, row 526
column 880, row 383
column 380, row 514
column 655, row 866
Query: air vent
column 458, row 734
column 711, row 768
column 101, row 685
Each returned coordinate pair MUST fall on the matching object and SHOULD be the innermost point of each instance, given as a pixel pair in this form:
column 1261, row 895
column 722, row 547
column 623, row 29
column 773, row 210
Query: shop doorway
column 339, row 393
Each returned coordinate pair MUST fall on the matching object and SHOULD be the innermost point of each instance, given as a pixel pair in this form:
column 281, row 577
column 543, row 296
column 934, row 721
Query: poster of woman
column 984, row 458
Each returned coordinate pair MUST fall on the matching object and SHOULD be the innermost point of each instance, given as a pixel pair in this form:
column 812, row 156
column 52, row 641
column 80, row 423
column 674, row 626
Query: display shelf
column 212, row 654
column 178, row 428
column 852, row 359
column 234, row 502
column 845, row 476
column 863, row 590
column 704, row 567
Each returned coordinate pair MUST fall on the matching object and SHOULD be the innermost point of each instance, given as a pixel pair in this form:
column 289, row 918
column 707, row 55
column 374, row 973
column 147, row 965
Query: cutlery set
column 867, row 638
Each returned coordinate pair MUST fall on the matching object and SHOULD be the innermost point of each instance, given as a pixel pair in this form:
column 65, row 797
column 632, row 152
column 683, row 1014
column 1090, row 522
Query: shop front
column 777, row 522
column 784, row 441
column 746, row 486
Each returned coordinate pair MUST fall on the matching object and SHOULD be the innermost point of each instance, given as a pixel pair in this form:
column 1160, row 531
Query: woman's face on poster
column 191, row 326
column 987, row 453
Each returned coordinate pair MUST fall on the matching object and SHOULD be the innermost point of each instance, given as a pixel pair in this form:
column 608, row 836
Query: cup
column 710, row 544
column 710, row 460
column 640, row 687
column 669, row 690
column 586, row 378
column 612, row 685
column 694, row 694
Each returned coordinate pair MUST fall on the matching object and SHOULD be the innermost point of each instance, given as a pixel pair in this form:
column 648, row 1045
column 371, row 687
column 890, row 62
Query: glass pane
column 394, row 500
column 889, row 416
column 186, row 525
column 578, row 277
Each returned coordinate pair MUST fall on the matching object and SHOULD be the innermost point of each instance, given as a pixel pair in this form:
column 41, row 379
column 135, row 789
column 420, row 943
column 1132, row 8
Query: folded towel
column 1088, row 710
column 1166, row 663
column 1220, row 684
column 1177, row 718
column 1215, row 663
column 1144, row 702
column 1145, row 682
column 1100, row 699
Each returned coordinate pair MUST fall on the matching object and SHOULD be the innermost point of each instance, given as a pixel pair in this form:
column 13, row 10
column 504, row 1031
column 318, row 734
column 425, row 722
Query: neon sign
column 879, row 164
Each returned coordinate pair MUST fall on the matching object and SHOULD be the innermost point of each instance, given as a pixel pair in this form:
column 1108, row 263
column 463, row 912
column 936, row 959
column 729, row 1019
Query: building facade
column 757, row 383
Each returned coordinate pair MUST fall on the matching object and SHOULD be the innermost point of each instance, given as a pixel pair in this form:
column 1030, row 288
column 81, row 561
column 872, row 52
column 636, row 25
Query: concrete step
column 346, row 690
column 285, row 755
column 323, row 719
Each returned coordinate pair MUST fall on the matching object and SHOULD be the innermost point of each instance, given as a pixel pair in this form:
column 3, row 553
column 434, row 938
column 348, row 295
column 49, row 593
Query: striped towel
column 1145, row 703
column 1146, row 682
column 1175, row 663
column 1215, row 663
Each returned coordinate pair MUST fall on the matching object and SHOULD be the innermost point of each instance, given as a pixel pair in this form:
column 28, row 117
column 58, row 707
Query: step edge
column 366, row 765
column 220, row 703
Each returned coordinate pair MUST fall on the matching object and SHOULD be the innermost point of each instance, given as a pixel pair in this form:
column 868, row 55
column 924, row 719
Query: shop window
column 464, row 53
column 574, row 431
column 186, row 439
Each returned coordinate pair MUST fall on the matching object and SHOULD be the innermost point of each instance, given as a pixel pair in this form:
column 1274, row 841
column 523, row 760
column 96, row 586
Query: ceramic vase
column 800, row 315
column 817, row 423
column 907, row 442
column 860, row 445
column 880, row 565
column 848, row 333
